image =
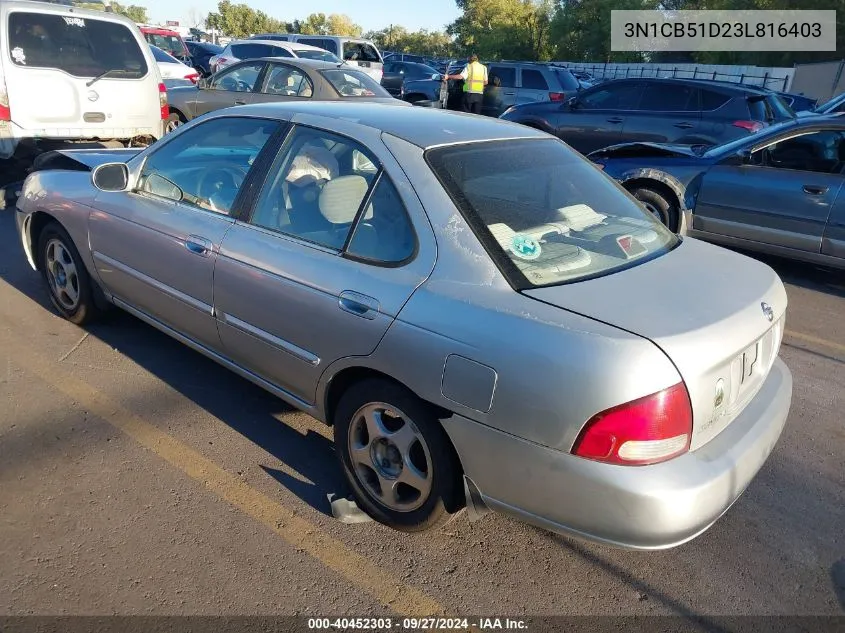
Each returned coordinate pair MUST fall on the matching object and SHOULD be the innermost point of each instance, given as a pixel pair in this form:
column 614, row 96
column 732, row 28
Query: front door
column 155, row 248
column 313, row 276
column 783, row 197
column 282, row 82
column 234, row 86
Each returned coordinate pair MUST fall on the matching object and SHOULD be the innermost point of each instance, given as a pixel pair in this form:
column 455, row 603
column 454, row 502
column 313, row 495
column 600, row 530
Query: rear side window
column 278, row 51
column 780, row 108
column 353, row 83
column 320, row 42
column 360, row 52
column 711, row 100
column 533, row 80
column 661, row 97
column 319, row 55
column 252, row 51
column 567, row 80
column 759, row 109
column 81, row 47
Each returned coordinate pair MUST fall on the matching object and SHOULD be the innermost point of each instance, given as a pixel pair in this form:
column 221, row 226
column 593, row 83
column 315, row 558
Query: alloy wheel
column 62, row 275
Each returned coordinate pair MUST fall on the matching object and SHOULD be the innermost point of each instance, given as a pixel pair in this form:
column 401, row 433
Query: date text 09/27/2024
column 752, row 30
column 416, row 624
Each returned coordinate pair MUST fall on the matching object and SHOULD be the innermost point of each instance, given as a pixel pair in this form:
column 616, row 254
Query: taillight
column 751, row 126
column 557, row 96
column 646, row 431
column 162, row 102
column 5, row 110
column 193, row 77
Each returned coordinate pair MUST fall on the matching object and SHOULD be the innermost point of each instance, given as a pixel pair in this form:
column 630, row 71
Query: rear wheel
column 659, row 203
column 68, row 282
column 396, row 456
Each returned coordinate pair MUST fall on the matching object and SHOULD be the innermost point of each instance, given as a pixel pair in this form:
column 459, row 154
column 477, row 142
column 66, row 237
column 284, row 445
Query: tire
column 174, row 121
column 429, row 463
column 659, row 204
column 69, row 285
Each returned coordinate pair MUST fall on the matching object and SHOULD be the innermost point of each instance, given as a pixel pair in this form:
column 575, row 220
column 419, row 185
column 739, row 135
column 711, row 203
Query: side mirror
column 437, row 77
column 111, row 177
column 572, row 103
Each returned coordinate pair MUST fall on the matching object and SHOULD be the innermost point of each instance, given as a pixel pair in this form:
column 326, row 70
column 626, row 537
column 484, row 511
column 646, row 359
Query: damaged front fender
column 685, row 206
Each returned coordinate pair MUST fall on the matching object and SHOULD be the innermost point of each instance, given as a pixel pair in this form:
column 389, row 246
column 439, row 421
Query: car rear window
column 168, row 43
column 82, row 47
column 354, row 84
column 567, row 81
column 360, row 52
column 540, row 228
column 255, row 51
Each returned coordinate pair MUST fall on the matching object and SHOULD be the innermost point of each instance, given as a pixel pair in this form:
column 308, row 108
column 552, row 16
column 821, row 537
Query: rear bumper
column 646, row 507
column 15, row 140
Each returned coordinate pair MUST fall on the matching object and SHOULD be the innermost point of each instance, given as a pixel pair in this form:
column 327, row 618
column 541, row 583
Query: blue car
column 779, row 191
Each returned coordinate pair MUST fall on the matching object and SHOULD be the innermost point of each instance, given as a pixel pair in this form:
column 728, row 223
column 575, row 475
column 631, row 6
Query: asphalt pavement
column 138, row 477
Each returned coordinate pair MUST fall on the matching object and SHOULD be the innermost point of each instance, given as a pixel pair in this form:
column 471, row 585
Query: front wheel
column 68, row 282
column 396, row 456
column 659, row 204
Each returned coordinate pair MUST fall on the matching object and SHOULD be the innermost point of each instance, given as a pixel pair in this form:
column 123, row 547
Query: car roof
column 701, row 83
column 423, row 127
column 294, row 46
column 314, row 64
column 37, row 6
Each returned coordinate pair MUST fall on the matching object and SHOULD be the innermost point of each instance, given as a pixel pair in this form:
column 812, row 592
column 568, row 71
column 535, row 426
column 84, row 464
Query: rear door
column 667, row 113
column 533, row 86
column 53, row 60
column 599, row 116
column 833, row 240
column 235, row 85
column 283, row 82
column 501, row 90
column 783, row 197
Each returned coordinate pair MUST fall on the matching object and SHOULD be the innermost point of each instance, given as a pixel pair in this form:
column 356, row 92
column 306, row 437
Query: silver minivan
column 69, row 74
column 353, row 50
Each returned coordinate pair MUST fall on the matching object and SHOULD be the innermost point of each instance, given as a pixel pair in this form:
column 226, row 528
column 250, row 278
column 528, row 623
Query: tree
column 333, row 24
column 133, row 12
column 422, row 42
column 240, row 20
column 511, row 29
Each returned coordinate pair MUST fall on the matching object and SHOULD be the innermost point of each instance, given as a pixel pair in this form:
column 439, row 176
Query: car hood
column 635, row 150
column 703, row 305
column 89, row 158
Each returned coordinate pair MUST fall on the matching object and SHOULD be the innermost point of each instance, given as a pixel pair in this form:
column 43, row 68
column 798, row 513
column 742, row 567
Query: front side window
column 82, row 47
column 237, row 78
column 288, row 81
column 354, row 83
column 619, row 97
column 822, row 152
column 545, row 214
column 318, row 184
column 206, row 166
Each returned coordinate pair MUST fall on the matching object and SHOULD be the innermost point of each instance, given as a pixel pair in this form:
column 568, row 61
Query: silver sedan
column 479, row 312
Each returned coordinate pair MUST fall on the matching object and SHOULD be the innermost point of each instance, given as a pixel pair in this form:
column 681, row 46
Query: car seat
column 340, row 199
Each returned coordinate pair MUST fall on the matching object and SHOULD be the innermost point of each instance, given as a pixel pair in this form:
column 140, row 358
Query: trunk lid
column 707, row 308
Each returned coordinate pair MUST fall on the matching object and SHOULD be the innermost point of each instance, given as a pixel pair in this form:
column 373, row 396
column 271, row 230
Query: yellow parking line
column 815, row 340
column 388, row 590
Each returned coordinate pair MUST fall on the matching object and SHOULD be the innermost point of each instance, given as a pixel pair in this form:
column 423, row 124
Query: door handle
column 358, row 304
column 684, row 125
column 615, row 119
column 814, row 190
column 198, row 245
column 240, row 102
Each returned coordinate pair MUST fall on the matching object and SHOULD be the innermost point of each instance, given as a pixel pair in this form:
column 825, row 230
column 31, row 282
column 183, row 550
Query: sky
column 370, row 14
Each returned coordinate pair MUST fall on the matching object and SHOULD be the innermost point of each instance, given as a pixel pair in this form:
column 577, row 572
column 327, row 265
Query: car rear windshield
column 545, row 214
column 323, row 56
column 255, row 51
column 82, row 47
column 354, row 83
column 360, row 52
column 567, row 80
column 170, row 44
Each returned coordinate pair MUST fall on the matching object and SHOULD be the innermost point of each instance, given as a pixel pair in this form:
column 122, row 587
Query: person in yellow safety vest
column 475, row 79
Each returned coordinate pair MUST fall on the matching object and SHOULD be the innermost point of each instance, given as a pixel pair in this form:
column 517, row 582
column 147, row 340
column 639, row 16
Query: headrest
column 341, row 197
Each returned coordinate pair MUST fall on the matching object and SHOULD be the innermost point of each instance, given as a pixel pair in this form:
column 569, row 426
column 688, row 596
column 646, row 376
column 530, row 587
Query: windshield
column 81, row 47
column 545, row 214
column 324, row 56
column 354, row 83
column 170, row 44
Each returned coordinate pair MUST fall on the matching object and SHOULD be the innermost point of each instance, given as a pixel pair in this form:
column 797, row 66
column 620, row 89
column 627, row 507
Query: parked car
column 592, row 402
column 777, row 192
column 512, row 83
column 682, row 111
column 201, row 54
column 239, row 50
column 415, row 83
column 69, row 74
column 354, row 51
column 273, row 79
column 832, row 106
column 167, row 40
column 172, row 68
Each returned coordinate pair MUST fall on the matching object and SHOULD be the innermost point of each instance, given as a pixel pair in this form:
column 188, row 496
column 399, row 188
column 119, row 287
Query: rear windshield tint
column 254, row 51
column 567, row 80
column 355, row 84
column 82, row 47
column 360, row 52
column 542, row 228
